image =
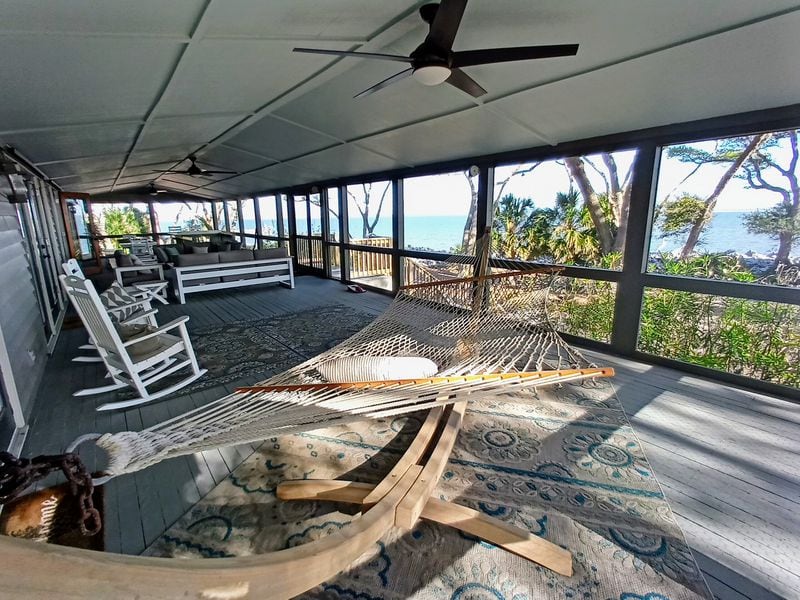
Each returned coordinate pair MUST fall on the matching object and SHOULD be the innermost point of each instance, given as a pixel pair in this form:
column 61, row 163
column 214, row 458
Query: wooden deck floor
column 727, row 459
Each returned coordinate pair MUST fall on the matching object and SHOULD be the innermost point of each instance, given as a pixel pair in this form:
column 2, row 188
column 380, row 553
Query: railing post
column 257, row 216
column 398, row 233
column 292, row 233
column 483, row 222
column 344, row 233
column 279, row 216
column 214, row 219
column 153, row 221
column 630, row 287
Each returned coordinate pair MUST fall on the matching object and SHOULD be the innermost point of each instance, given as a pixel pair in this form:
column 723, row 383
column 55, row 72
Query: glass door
column 80, row 240
column 41, row 229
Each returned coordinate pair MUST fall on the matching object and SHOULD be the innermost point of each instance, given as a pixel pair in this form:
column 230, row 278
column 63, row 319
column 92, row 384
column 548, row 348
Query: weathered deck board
column 726, row 457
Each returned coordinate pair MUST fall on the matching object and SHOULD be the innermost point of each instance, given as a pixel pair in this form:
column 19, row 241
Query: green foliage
column 564, row 234
column 726, row 151
column 705, row 266
column 752, row 338
column 125, row 221
column 512, row 219
column 773, row 221
column 583, row 307
column 677, row 216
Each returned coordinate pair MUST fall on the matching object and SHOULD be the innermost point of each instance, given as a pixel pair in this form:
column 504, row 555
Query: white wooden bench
column 189, row 280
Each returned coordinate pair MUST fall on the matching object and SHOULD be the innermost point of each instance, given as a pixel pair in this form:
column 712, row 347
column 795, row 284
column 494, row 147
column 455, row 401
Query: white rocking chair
column 123, row 307
column 146, row 290
column 137, row 362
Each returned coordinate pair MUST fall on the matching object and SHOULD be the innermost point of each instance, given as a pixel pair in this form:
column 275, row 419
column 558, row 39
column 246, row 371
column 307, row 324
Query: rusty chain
column 17, row 474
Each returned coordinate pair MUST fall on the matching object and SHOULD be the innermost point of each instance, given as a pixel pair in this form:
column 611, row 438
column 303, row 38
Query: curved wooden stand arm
column 43, row 571
column 418, row 503
column 501, row 534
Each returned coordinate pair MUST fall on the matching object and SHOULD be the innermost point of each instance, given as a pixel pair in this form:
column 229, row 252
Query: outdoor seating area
column 235, row 268
column 358, row 300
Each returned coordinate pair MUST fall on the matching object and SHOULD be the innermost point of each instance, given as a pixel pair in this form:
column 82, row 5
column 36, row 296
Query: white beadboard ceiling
column 101, row 94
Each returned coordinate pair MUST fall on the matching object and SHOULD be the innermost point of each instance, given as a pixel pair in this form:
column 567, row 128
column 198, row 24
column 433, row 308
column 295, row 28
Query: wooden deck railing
column 309, row 252
column 369, row 264
column 366, row 263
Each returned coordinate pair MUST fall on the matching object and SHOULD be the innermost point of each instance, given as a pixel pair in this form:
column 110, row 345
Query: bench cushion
column 194, row 260
column 265, row 253
column 233, row 256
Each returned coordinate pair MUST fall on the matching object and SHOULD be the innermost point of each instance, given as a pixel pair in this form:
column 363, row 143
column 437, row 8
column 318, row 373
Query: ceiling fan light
column 431, row 74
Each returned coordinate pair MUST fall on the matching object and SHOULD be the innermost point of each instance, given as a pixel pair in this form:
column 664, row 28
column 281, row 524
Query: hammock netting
column 485, row 335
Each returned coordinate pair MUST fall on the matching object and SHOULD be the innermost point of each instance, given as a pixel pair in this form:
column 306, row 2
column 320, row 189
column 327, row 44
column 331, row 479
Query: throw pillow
column 123, row 260
column 377, row 368
column 114, row 297
column 172, row 253
column 199, row 249
column 137, row 262
column 236, row 245
column 161, row 255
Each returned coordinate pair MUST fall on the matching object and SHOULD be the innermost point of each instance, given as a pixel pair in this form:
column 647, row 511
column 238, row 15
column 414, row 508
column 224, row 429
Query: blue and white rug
column 562, row 463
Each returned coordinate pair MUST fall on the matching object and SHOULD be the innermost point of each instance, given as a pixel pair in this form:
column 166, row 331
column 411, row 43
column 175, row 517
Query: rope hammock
column 439, row 342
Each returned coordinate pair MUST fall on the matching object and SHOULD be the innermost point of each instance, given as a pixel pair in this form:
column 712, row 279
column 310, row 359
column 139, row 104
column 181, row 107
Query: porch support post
column 630, row 287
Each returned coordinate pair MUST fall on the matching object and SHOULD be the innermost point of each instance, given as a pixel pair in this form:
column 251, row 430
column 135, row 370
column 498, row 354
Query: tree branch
column 380, row 207
column 518, row 171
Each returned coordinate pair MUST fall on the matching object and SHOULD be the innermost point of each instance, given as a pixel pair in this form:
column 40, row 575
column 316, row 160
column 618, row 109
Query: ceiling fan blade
column 470, row 58
column 465, row 83
column 394, row 57
column 445, row 23
column 386, row 82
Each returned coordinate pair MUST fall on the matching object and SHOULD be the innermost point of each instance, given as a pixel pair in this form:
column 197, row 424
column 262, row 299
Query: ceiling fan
column 154, row 191
column 193, row 170
column 434, row 62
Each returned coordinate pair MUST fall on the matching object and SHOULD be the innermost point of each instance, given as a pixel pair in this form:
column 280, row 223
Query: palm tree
column 574, row 239
column 511, row 222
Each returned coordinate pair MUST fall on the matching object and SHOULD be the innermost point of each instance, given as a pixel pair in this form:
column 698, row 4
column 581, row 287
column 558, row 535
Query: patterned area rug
column 562, row 463
column 244, row 352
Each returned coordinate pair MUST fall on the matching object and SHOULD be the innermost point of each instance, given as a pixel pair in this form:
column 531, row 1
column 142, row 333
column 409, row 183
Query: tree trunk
column 468, row 237
column 785, row 240
column 604, row 234
column 620, row 200
column 711, row 201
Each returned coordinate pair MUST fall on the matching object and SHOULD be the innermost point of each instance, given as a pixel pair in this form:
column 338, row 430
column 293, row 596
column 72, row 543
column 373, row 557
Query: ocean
column 726, row 232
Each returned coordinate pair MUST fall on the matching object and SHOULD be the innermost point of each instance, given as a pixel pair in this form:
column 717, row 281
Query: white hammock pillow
column 377, row 368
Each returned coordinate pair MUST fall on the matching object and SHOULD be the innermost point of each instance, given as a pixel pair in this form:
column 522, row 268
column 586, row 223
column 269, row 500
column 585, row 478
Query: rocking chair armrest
column 179, row 322
column 139, row 316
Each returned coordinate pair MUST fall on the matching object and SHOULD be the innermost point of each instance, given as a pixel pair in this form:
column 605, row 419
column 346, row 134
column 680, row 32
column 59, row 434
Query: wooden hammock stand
column 44, row 571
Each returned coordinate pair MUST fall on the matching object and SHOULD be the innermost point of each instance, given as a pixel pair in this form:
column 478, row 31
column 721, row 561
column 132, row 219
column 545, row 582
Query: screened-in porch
column 379, row 300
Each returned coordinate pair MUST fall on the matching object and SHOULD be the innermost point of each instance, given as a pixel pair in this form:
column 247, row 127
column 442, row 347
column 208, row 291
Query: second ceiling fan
column 435, row 62
column 193, row 170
